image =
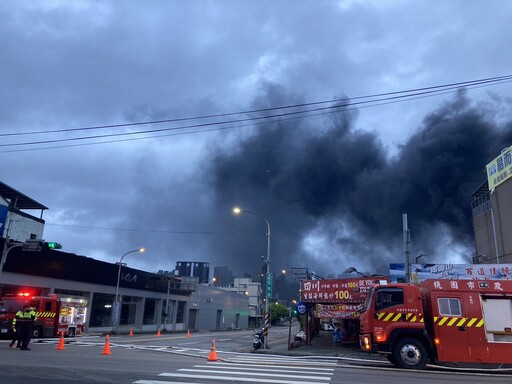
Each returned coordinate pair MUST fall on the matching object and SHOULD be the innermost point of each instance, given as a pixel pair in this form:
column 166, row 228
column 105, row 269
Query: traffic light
column 52, row 245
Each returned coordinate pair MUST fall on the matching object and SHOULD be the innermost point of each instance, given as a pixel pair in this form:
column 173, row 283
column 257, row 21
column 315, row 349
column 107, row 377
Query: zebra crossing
column 269, row 359
column 244, row 369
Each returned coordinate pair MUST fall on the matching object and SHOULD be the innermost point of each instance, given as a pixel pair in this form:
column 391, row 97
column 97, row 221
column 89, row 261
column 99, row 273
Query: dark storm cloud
column 328, row 186
column 311, row 174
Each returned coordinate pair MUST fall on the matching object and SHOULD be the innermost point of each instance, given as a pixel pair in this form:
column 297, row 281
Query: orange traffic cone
column 188, row 332
column 158, row 333
column 60, row 346
column 213, row 352
column 131, row 332
column 106, row 348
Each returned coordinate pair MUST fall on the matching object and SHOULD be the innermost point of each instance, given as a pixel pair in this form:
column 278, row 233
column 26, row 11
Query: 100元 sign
column 342, row 295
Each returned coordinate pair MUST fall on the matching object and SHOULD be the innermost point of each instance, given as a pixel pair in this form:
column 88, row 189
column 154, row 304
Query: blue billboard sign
column 3, row 218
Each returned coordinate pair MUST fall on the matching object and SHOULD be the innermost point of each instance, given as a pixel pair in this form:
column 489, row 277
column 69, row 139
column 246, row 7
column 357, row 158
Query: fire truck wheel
column 37, row 332
column 410, row 353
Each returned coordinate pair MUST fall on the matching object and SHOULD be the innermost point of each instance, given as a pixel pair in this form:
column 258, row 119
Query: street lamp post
column 238, row 211
column 167, row 304
column 352, row 269
column 117, row 304
column 236, row 304
column 419, row 257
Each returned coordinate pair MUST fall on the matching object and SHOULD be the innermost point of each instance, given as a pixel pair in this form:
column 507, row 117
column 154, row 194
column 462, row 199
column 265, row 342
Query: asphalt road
column 174, row 358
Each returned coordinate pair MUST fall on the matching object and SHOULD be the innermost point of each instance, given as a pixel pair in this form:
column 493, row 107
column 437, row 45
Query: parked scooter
column 301, row 336
column 258, row 339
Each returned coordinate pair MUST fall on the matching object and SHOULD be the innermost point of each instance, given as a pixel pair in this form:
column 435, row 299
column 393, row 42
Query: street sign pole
column 268, row 295
column 269, row 285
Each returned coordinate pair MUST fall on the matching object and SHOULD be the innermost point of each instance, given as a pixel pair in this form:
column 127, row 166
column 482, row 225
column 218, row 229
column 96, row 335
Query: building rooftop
column 19, row 200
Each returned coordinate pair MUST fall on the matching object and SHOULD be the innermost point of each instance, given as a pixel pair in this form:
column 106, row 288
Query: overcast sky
column 333, row 185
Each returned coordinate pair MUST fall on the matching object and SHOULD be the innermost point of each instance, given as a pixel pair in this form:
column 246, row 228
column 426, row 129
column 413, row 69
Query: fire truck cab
column 55, row 315
column 441, row 321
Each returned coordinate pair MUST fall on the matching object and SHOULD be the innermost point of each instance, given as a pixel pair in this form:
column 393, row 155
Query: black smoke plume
column 335, row 198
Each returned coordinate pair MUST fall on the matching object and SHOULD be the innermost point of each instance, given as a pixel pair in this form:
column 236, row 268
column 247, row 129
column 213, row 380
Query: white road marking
column 245, row 379
column 266, row 368
column 256, row 374
column 269, row 360
column 162, row 382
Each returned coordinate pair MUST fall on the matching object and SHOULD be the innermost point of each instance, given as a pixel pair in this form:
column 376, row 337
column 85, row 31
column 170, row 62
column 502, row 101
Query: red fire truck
column 439, row 321
column 55, row 314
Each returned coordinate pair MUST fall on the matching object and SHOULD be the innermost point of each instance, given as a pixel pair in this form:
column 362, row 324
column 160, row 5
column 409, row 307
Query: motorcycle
column 258, row 339
column 301, row 336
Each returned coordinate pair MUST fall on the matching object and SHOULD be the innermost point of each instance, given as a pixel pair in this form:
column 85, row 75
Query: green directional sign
column 269, row 284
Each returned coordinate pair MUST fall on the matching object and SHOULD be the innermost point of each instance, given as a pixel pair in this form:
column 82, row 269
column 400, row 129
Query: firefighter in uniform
column 27, row 323
column 17, row 331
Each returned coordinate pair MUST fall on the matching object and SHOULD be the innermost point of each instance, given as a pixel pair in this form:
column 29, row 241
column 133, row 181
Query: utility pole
column 407, row 250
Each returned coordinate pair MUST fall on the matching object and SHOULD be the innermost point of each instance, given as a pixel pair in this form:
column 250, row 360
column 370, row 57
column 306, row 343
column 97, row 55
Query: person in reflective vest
column 16, row 336
column 27, row 323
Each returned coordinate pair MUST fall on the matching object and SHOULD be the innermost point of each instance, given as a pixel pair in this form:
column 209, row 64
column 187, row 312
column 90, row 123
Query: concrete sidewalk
column 321, row 345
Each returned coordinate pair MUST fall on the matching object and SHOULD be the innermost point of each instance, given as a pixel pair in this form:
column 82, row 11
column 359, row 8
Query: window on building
column 101, row 310
column 180, row 314
column 480, row 204
column 149, row 311
column 128, row 310
column 449, row 307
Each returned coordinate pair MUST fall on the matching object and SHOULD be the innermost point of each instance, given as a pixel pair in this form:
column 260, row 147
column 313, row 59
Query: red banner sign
column 338, row 311
column 338, row 290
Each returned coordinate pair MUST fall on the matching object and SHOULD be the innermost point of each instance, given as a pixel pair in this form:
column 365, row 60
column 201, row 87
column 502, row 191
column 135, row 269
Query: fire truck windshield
column 12, row 305
column 368, row 300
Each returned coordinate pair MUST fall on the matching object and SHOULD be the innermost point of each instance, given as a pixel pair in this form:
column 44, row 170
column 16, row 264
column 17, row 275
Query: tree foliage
column 278, row 312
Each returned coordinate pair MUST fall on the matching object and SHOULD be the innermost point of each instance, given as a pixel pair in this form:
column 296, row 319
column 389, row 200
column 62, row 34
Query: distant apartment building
column 491, row 206
column 252, row 290
column 194, row 269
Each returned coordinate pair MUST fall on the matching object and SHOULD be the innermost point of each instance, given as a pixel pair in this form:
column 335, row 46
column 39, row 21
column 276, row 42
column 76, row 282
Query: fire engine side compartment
column 71, row 316
column 471, row 321
column 497, row 315
column 59, row 315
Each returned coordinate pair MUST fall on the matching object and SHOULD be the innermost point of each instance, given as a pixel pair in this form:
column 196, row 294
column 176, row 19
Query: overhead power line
column 222, row 128
column 274, row 114
column 145, row 230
